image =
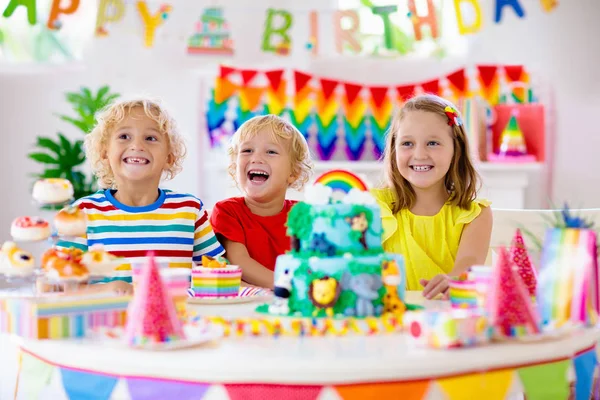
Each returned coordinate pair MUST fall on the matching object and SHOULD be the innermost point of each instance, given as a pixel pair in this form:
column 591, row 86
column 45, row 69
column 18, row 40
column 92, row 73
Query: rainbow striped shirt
column 176, row 226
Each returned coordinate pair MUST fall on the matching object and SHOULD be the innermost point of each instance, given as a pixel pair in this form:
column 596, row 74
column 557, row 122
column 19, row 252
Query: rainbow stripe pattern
column 61, row 317
column 342, row 180
column 463, row 294
column 216, row 282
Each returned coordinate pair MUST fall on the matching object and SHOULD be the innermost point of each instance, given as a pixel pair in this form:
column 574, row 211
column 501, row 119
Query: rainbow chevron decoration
column 327, row 123
column 302, row 103
column 489, row 83
column 355, row 128
column 517, row 74
column 339, row 179
column 381, row 116
column 276, row 93
column 249, row 104
column 218, row 104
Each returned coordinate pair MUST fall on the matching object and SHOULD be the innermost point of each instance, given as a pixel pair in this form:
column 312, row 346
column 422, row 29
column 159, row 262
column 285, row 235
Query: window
column 449, row 41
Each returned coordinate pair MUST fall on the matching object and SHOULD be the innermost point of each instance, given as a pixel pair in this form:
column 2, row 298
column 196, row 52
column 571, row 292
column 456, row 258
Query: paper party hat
column 520, row 258
column 512, row 141
column 151, row 317
column 509, row 306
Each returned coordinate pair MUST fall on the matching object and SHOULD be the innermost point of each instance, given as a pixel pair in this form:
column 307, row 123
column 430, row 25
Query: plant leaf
column 79, row 124
column 103, row 91
column 51, row 173
column 74, row 98
column 43, row 158
column 47, row 143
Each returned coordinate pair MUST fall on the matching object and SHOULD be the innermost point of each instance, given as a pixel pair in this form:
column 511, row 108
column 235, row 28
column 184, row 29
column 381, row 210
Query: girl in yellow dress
column 429, row 210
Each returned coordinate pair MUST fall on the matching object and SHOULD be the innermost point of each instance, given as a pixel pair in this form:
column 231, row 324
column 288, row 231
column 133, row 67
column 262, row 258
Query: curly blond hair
column 280, row 129
column 96, row 142
column 462, row 180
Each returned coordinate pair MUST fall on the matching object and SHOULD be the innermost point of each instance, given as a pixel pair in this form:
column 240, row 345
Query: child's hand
column 118, row 287
column 436, row 285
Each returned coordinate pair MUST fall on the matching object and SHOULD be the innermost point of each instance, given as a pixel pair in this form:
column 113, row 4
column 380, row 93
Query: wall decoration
column 283, row 45
column 152, row 22
column 418, row 21
column 326, row 110
column 348, row 36
column 549, row 5
column 56, row 10
column 109, row 11
column 476, row 24
column 212, row 34
column 514, row 4
column 29, row 4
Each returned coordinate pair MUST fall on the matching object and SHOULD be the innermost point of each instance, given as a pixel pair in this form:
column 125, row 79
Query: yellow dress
column 428, row 243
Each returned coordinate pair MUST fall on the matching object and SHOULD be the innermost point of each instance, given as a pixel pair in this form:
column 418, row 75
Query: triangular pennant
column 378, row 94
column 35, row 375
column 405, row 92
column 302, row 109
column 328, row 87
column 151, row 315
column 585, row 366
column 520, row 258
column 458, row 80
column 513, row 72
column 411, row 390
column 248, row 75
column 488, row 385
column 149, row 389
column 261, row 391
column 355, row 112
column 510, row 309
column 432, row 86
column 224, row 89
column 301, row 80
column 546, row 381
column 78, row 385
column 274, row 78
column 352, row 91
column 250, row 97
column 487, row 74
column 383, row 114
column 224, row 71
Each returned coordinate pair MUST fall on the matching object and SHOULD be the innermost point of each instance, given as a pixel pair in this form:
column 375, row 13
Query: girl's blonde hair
column 96, row 142
column 462, row 181
column 280, row 129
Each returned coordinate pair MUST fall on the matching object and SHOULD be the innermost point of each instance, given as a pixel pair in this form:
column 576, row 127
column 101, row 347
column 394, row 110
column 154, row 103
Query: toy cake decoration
column 341, row 180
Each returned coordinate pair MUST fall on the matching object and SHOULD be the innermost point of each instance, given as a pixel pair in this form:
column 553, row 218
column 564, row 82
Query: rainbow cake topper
column 341, row 180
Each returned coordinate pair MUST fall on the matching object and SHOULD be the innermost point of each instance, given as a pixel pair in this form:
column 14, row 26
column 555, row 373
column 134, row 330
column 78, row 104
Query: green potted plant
column 63, row 158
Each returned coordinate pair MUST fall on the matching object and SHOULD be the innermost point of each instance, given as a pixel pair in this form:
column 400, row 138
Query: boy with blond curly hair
column 268, row 156
column 133, row 146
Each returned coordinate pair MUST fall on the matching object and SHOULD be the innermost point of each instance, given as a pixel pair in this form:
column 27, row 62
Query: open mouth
column 421, row 168
column 136, row 160
column 257, row 176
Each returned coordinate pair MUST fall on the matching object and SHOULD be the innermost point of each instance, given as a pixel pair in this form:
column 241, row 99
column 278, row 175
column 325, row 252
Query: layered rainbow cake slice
column 216, row 282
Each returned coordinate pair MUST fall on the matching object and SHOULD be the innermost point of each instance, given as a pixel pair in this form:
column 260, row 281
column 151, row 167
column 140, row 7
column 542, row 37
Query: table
column 349, row 367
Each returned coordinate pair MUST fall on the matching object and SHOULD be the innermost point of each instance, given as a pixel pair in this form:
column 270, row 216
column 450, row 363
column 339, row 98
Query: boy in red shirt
column 268, row 156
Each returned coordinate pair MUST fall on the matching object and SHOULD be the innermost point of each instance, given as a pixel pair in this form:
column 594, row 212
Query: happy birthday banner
column 334, row 115
column 212, row 32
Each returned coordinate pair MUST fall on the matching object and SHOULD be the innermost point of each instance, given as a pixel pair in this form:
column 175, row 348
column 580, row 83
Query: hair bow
column 454, row 118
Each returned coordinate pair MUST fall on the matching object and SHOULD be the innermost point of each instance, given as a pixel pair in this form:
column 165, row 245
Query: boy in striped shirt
column 134, row 145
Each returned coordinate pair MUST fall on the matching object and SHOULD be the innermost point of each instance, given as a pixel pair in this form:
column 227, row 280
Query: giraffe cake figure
column 337, row 268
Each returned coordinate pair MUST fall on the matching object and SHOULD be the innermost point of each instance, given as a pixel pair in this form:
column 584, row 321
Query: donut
column 64, row 264
column 52, row 191
column 99, row 261
column 71, row 221
column 15, row 261
column 29, row 229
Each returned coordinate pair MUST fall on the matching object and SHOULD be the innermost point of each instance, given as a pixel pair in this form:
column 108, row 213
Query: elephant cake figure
column 366, row 287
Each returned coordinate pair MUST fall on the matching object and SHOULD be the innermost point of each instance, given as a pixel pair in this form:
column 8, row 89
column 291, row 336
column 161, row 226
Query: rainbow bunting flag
column 381, row 115
column 276, row 93
column 354, row 121
column 218, row 105
column 248, row 104
column 327, row 119
column 489, row 83
column 302, row 104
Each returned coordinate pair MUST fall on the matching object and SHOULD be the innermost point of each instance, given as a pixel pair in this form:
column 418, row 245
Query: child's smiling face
column 264, row 167
column 137, row 151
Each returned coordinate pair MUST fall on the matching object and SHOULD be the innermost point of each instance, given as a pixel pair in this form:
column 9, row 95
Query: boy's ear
column 170, row 159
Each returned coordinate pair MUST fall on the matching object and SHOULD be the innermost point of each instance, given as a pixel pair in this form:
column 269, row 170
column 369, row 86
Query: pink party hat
column 520, row 258
column 510, row 309
column 151, row 317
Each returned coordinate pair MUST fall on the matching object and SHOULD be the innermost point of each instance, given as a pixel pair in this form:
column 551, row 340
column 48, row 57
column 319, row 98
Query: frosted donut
column 30, row 229
column 52, row 191
column 70, row 221
column 15, row 261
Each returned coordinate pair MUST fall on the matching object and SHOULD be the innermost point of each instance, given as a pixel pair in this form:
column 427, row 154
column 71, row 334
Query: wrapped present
column 62, row 316
column 444, row 329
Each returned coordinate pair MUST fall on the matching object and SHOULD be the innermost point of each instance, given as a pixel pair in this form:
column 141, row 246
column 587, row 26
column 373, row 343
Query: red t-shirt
column 264, row 237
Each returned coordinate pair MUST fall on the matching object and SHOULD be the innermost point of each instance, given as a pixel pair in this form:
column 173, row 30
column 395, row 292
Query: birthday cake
column 336, row 267
column 215, row 278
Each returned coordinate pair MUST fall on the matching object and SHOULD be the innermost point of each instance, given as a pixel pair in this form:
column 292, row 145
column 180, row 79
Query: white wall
column 562, row 47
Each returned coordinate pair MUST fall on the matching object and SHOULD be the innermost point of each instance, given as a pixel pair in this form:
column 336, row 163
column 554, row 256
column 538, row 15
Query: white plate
column 196, row 334
column 246, row 295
